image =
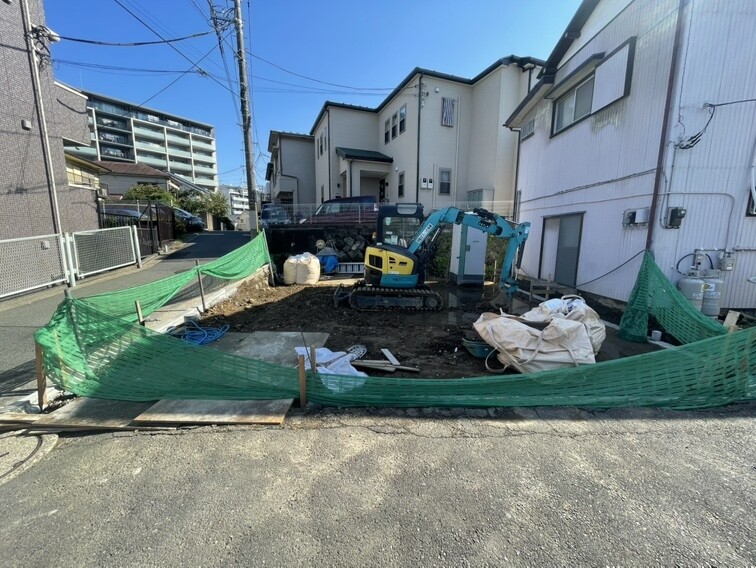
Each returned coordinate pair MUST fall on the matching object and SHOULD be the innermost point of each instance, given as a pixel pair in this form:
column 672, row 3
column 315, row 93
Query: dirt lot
column 428, row 341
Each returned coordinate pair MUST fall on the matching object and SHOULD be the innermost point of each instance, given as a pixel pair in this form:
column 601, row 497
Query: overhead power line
column 133, row 43
column 317, row 80
column 173, row 47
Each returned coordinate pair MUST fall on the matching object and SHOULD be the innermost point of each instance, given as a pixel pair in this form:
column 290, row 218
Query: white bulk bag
column 563, row 343
column 290, row 270
column 572, row 308
column 308, row 269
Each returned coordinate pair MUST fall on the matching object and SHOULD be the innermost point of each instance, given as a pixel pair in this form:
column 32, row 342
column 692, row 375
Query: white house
column 641, row 134
column 291, row 170
column 436, row 139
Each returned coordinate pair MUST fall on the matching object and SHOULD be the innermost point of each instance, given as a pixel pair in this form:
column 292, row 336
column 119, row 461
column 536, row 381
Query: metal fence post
column 135, row 245
column 69, row 259
column 201, row 286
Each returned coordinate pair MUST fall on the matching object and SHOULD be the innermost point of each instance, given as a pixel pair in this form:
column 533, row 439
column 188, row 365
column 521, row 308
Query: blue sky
column 365, row 47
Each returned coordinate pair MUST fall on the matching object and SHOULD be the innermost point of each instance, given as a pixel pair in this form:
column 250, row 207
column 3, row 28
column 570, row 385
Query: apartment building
column 291, row 170
column 238, row 198
column 125, row 132
column 36, row 195
column 436, row 139
column 640, row 135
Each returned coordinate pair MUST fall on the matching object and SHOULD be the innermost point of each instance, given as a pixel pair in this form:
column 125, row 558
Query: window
column 444, row 181
column 447, row 112
column 402, row 119
column 528, row 129
column 574, row 105
column 394, row 123
column 401, row 185
column 386, row 131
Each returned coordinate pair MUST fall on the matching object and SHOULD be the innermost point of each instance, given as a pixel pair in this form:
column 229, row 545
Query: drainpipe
column 515, row 201
column 419, row 112
column 665, row 125
column 328, row 125
column 350, row 179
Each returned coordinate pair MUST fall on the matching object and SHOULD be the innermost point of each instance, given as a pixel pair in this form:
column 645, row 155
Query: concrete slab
column 271, row 346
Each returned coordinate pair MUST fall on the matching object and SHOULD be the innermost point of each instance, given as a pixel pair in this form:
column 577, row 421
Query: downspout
column 419, row 112
column 350, row 179
column 328, row 126
column 665, row 126
column 515, row 201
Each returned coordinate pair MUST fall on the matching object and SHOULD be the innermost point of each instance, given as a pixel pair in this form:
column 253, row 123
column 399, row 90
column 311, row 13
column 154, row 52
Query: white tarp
column 572, row 308
column 334, row 363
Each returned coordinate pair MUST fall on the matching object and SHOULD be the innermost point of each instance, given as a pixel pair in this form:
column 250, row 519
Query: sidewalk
column 21, row 317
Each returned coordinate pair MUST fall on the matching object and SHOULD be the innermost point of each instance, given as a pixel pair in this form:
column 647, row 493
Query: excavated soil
column 431, row 342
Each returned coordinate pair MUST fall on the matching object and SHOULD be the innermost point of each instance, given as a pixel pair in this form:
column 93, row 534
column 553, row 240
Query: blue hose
column 200, row 335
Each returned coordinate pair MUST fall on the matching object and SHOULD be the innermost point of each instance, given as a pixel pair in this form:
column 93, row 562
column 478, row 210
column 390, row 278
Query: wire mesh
column 94, row 348
column 104, row 249
column 30, row 263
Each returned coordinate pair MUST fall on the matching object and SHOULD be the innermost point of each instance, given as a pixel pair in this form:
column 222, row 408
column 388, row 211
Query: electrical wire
column 677, row 266
column 612, row 270
column 133, row 43
column 317, row 80
column 173, row 47
column 730, row 103
column 688, row 143
column 196, row 335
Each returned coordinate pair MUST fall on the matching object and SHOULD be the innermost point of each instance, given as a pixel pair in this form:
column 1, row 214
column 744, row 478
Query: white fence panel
column 30, row 263
column 104, row 249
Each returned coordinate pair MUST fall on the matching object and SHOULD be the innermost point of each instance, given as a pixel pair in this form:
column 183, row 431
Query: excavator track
column 376, row 299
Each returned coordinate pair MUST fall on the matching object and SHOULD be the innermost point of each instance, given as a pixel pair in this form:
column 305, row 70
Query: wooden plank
column 384, row 368
column 302, row 382
column 731, row 319
column 216, row 412
column 390, row 356
column 41, row 377
column 19, row 418
column 95, row 414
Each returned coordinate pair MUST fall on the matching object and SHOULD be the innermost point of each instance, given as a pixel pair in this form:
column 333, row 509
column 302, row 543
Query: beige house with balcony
column 436, row 139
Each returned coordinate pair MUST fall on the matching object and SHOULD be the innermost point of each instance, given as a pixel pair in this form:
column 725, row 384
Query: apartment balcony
column 202, row 169
column 110, row 138
column 175, row 139
column 152, row 161
column 179, row 153
column 150, row 146
column 148, row 133
column 180, row 167
column 114, row 153
column 202, row 144
column 104, row 123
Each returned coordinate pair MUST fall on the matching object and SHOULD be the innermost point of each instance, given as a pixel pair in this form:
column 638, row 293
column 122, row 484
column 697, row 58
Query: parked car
column 273, row 215
column 192, row 222
column 346, row 210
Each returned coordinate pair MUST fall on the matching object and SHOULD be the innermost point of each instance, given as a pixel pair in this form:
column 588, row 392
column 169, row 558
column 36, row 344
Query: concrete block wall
column 25, row 206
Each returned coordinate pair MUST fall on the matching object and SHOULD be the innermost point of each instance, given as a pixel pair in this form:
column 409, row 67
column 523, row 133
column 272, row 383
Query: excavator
column 395, row 275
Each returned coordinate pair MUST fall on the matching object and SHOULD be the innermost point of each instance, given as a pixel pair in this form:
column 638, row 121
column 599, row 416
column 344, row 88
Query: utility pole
column 246, row 118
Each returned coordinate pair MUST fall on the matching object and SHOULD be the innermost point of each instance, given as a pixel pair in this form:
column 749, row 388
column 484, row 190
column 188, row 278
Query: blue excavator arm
column 483, row 220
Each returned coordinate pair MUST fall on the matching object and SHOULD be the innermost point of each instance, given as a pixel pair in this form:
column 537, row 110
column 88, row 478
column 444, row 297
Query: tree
column 214, row 203
column 149, row 192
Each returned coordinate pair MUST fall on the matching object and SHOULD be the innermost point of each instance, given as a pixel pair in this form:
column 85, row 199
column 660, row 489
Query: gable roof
column 551, row 65
column 504, row 61
column 130, row 169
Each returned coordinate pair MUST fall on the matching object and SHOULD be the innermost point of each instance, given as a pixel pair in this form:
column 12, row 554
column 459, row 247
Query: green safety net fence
column 90, row 352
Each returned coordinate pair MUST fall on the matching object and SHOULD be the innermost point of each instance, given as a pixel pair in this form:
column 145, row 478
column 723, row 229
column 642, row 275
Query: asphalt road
column 398, row 488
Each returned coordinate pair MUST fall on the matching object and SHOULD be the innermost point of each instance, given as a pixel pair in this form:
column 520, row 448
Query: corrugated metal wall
column 605, row 164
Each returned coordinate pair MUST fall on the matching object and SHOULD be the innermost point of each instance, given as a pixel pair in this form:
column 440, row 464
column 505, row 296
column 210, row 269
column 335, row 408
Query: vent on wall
column 635, row 217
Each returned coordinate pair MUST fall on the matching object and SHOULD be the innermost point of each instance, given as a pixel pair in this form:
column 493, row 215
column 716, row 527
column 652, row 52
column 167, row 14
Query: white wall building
column 238, row 198
column 624, row 132
column 436, row 139
column 291, row 170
